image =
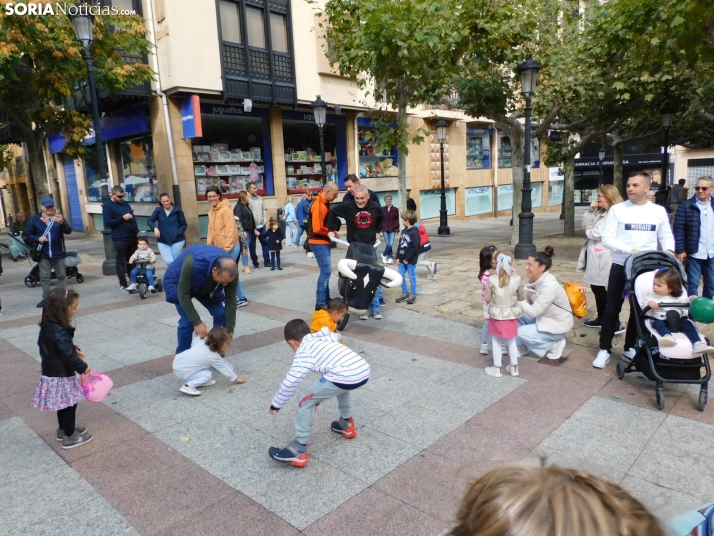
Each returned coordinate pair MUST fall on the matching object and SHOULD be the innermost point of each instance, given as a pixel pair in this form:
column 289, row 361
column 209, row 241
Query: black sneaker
column 256, row 267
column 124, row 287
column 289, row 455
column 594, row 323
column 242, row 303
column 39, row 305
column 621, row 329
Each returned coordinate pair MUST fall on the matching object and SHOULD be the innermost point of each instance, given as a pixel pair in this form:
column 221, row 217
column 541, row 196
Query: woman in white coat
column 547, row 316
column 594, row 257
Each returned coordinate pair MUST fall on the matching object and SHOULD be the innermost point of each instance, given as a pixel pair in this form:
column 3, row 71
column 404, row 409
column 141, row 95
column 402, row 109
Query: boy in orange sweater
column 330, row 317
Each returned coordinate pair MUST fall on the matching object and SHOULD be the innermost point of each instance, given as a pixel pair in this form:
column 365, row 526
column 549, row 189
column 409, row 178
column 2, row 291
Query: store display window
column 478, row 148
column 375, row 160
column 138, row 171
column 505, row 152
column 233, row 152
column 96, row 189
column 301, row 139
column 587, row 183
column 555, row 192
column 478, row 201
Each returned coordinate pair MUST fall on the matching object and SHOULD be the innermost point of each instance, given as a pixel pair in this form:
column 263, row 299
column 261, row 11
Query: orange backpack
column 576, row 297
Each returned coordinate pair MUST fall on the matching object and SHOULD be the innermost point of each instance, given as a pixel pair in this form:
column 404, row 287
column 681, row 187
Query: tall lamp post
column 444, row 230
column 601, row 154
column 529, row 78
column 319, row 110
column 667, row 119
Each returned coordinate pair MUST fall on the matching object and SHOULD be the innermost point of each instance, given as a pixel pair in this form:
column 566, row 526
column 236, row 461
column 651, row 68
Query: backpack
column 576, row 297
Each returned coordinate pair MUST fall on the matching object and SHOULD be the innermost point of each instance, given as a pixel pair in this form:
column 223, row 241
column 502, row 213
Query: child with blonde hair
column 503, row 293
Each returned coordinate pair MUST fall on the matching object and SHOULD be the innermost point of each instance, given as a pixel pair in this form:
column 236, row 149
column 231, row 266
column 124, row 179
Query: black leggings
column 600, row 299
column 65, row 419
column 611, row 321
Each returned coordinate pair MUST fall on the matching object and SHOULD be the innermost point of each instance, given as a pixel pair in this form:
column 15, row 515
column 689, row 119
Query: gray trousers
column 46, row 265
column 319, row 391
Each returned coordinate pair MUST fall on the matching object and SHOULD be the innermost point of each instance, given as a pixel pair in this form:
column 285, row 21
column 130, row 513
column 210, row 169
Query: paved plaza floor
column 429, row 420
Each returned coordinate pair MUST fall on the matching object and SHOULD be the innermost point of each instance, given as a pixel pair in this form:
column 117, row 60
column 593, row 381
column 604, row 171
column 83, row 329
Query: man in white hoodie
column 630, row 227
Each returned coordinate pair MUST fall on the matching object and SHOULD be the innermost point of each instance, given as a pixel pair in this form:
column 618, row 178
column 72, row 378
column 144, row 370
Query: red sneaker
column 347, row 434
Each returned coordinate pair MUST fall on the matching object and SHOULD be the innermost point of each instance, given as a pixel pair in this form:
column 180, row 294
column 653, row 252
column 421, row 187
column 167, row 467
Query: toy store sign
column 57, row 8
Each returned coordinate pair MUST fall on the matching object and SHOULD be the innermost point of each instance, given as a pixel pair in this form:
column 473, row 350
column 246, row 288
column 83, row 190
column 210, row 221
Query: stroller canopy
column 648, row 261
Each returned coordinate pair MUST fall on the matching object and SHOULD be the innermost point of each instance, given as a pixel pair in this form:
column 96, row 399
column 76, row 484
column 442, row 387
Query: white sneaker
column 390, row 261
column 431, row 277
column 494, row 371
column 364, row 317
column 377, row 316
column 384, row 259
column 602, row 359
column 189, row 390
column 522, row 351
column 669, row 340
column 512, row 369
column 151, row 289
column 310, row 254
column 629, row 354
column 209, row 382
column 132, row 286
column 556, row 350
column 701, row 347
column 484, row 349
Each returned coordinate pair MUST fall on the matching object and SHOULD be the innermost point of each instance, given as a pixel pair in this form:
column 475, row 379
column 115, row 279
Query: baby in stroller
column 668, row 288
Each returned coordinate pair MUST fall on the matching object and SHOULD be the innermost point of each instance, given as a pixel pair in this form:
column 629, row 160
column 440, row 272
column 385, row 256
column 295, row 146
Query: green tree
column 41, row 64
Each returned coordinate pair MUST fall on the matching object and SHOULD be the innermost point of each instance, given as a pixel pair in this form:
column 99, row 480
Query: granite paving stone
column 665, row 503
column 613, row 415
column 417, row 425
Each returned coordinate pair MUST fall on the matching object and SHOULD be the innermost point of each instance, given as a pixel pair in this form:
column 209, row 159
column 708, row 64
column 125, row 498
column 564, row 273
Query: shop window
column 96, row 189
column 505, row 153
column 555, row 192
column 303, row 168
column 138, row 172
column 230, row 22
column 536, row 194
column 256, row 27
column 278, row 33
column 375, row 160
column 478, row 148
column 478, row 201
column 230, row 155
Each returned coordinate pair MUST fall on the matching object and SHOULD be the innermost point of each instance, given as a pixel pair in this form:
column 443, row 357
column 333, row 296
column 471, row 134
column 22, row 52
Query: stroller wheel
column 30, row 281
column 620, row 371
column 703, row 396
column 660, row 399
column 79, row 278
column 343, row 323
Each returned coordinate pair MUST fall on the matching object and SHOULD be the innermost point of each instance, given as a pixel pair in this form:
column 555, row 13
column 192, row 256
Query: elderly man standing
column 49, row 229
column 694, row 237
column 209, row 275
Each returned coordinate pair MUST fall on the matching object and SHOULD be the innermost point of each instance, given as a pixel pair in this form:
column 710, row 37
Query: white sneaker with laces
column 310, row 254
column 629, row 354
column 494, row 371
column 556, row 350
column 484, row 349
column 151, row 289
column 512, row 370
column 132, row 286
column 364, row 317
column 701, row 347
column 185, row 389
column 602, row 359
column 668, row 340
column 384, row 259
column 377, row 316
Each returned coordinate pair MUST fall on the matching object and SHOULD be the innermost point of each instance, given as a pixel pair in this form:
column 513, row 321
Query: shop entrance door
column 75, row 210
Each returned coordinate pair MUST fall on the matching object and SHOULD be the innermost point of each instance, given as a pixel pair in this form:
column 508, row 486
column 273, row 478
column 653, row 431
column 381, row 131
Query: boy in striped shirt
column 342, row 372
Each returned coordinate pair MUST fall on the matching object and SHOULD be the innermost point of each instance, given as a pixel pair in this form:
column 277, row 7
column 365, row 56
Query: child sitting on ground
column 274, row 240
column 503, row 294
column 668, row 287
column 193, row 366
column 144, row 253
column 342, row 371
column 407, row 255
column 336, row 311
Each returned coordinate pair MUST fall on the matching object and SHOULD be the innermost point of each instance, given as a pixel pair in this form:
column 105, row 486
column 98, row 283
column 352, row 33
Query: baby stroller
column 661, row 364
column 71, row 270
column 358, row 277
column 17, row 247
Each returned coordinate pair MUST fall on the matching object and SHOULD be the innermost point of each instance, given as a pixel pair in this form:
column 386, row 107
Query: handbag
column 96, row 386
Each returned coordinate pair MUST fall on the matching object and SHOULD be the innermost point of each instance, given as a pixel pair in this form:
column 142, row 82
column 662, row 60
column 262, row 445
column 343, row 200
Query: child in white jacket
column 144, row 253
column 193, row 366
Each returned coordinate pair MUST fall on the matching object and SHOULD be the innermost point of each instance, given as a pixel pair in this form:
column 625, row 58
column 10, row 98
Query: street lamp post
column 319, row 110
column 601, row 154
column 529, row 78
column 444, row 230
column 667, row 118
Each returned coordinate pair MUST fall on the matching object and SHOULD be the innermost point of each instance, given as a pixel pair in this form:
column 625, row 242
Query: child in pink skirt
column 503, row 293
column 58, row 389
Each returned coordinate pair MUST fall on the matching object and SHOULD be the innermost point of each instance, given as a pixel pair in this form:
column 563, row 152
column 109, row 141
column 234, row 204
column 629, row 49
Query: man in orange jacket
column 320, row 242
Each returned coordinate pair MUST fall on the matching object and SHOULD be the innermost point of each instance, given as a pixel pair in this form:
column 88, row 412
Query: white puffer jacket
column 547, row 302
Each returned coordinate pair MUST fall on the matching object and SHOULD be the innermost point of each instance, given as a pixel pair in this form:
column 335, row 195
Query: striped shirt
column 322, row 352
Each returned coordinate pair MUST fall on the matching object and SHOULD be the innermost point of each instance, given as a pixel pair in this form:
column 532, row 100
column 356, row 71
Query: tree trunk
column 518, row 157
column 402, row 174
column 569, row 190
column 38, row 172
column 617, row 178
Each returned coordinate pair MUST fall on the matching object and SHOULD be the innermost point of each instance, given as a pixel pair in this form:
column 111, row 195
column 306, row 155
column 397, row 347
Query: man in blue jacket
column 119, row 217
column 302, row 210
column 694, row 237
column 49, row 229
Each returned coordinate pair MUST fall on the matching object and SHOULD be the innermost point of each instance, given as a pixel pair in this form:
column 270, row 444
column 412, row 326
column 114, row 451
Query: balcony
column 266, row 77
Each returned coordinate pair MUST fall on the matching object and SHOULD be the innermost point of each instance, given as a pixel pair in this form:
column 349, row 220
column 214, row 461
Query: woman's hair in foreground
column 517, row 500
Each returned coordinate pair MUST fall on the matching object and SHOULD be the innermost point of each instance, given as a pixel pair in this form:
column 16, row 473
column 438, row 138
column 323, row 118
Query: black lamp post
column 444, row 230
column 529, row 78
column 601, row 154
column 319, row 110
column 667, row 119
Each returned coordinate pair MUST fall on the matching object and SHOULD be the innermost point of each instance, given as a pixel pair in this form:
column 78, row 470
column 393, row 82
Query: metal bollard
column 109, row 266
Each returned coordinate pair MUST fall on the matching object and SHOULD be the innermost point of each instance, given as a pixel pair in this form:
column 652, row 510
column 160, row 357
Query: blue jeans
column 263, row 243
column 234, row 255
column 411, row 270
column 149, row 275
column 388, row 243
column 170, row 252
column 324, row 261
column 298, row 234
column 374, row 306
column 695, row 269
column 538, row 342
column 685, row 326
column 184, row 330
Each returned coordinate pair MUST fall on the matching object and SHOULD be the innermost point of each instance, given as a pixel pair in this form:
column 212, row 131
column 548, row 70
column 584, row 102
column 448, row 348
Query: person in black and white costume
column 630, row 227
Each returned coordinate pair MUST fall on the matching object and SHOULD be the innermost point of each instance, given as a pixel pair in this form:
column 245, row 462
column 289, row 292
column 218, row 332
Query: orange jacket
column 319, row 210
column 222, row 229
column 321, row 319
